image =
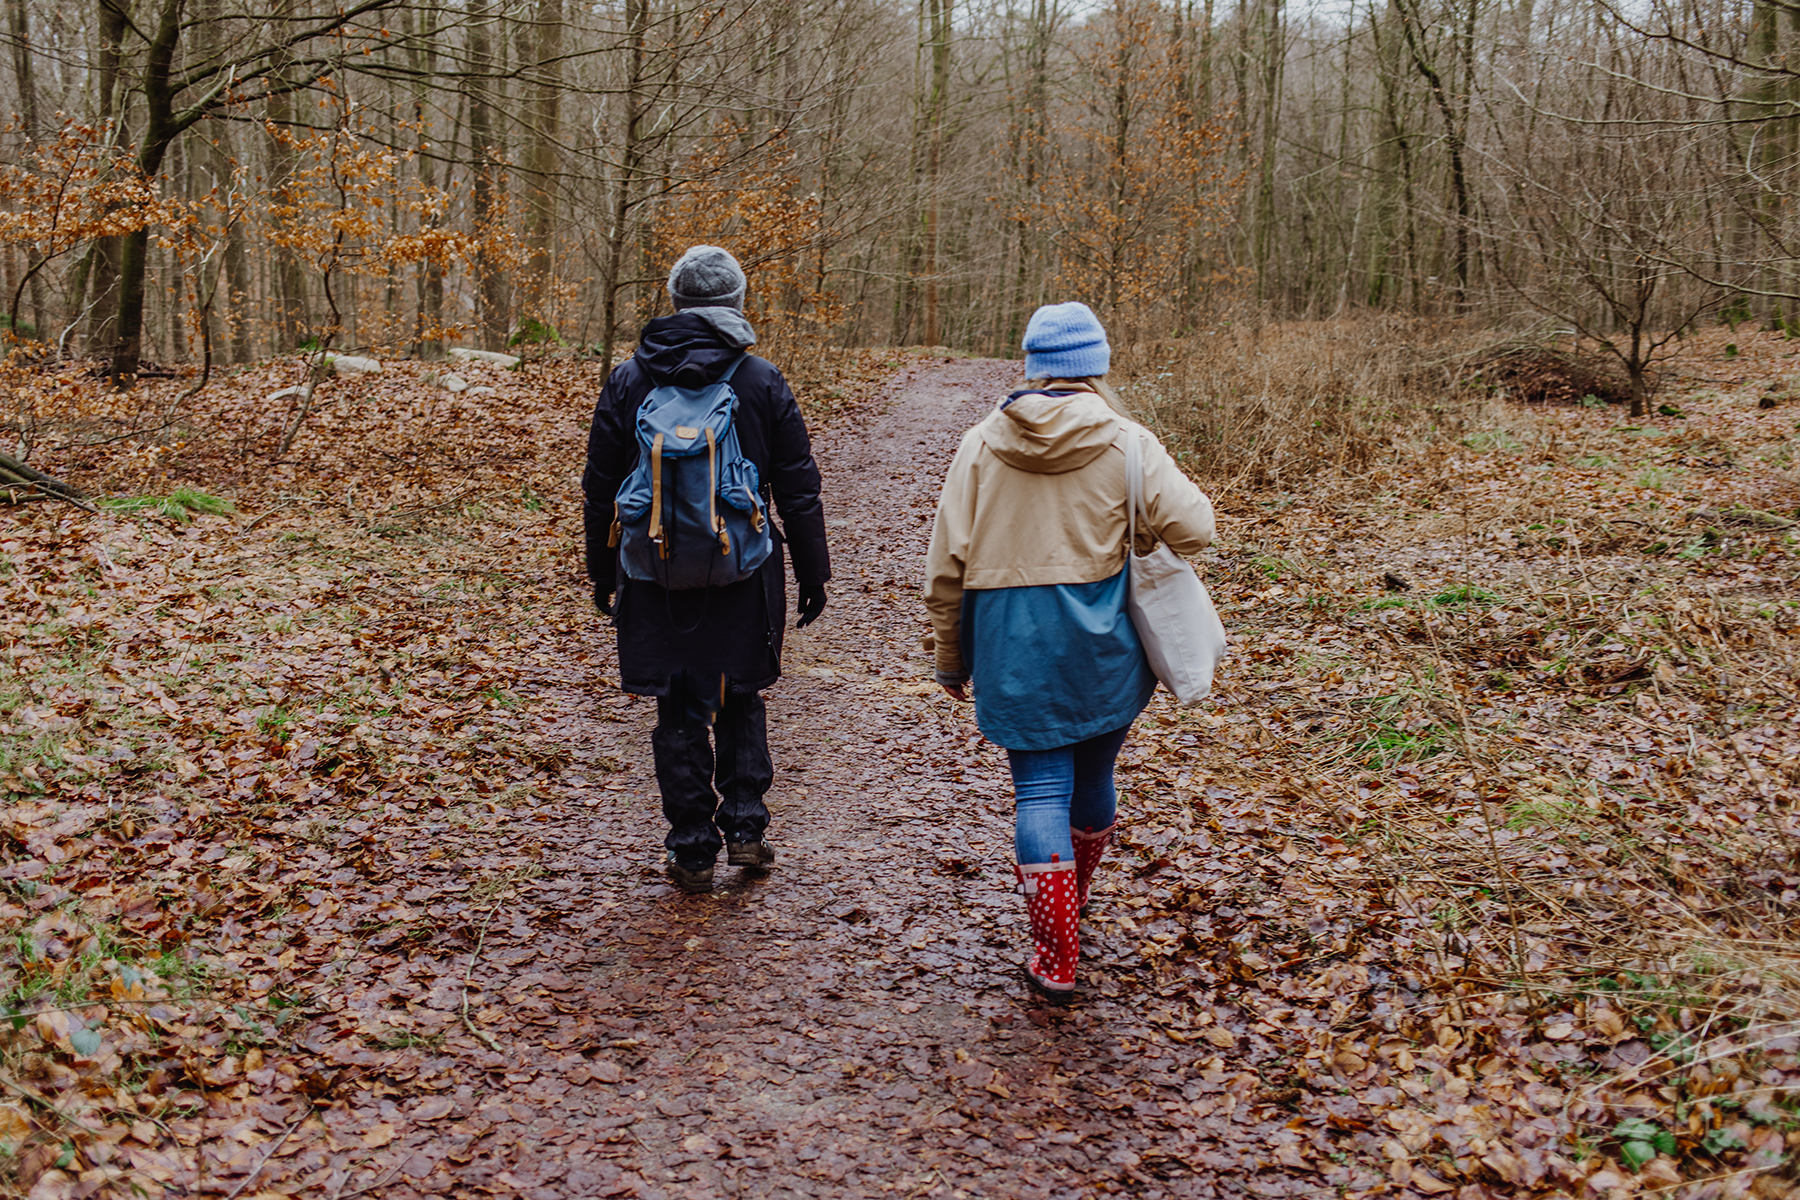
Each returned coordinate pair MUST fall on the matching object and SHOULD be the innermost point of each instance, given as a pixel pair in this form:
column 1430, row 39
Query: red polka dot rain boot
column 1090, row 844
column 1050, row 900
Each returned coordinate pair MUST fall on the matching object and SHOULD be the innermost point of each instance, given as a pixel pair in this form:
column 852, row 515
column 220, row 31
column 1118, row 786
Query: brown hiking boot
column 749, row 854
column 690, row 879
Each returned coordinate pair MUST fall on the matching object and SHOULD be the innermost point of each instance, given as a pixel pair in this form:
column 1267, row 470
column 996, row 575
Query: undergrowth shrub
column 1269, row 406
column 1537, row 375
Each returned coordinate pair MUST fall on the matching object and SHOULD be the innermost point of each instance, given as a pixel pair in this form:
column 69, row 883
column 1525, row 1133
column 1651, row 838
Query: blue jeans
column 1056, row 790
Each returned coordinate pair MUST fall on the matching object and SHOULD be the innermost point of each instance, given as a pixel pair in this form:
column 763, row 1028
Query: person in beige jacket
column 1025, row 584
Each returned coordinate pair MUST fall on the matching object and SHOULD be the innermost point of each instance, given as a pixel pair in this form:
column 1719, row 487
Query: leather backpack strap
column 656, row 499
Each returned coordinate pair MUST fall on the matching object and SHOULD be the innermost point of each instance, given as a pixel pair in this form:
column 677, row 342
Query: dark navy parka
column 734, row 631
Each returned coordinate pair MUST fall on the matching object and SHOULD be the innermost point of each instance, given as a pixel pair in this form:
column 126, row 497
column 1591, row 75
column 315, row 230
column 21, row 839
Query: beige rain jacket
column 1036, row 495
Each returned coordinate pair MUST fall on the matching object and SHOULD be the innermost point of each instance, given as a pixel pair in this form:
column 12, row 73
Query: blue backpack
column 690, row 515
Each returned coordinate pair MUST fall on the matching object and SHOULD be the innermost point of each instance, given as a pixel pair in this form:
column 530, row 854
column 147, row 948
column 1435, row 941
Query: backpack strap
column 712, row 492
column 712, row 462
column 656, row 529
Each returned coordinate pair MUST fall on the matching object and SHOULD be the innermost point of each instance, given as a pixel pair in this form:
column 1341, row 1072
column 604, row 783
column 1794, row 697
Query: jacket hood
column 1050, row 434
column 693, row 347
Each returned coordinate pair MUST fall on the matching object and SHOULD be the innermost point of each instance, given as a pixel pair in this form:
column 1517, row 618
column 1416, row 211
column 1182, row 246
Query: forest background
column 188, row 179
column 1480, row 874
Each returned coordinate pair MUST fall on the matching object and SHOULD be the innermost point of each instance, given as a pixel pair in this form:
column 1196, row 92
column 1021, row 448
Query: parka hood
column 1050, row 433
column 693, row 347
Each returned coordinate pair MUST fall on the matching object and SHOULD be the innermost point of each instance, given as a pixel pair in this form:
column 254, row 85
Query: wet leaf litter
column 384, row 914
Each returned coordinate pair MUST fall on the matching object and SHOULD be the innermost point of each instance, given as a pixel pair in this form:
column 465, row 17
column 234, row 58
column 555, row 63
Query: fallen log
column 20, row 483
column 1742, row 518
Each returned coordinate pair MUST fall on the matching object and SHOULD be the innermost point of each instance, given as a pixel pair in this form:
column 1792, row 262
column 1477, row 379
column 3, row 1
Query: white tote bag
column 1169, row 607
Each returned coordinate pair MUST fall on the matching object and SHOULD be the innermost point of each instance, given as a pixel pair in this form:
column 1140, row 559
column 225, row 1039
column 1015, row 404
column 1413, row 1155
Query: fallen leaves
column 15, row 1123
column 201, row 727
column 1507, row 797
column 272, row 775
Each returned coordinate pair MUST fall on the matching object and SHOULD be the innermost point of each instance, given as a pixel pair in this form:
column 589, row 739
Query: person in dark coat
column 706, row 653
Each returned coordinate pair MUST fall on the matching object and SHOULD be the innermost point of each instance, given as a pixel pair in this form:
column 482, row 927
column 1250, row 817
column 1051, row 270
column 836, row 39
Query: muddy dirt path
column 850, row 1024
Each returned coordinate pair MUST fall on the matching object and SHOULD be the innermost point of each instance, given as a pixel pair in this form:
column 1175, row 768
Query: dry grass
column 1270, row 406
column 1567, row 754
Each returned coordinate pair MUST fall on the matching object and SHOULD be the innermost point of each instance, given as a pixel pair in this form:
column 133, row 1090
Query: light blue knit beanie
column 1065, row 341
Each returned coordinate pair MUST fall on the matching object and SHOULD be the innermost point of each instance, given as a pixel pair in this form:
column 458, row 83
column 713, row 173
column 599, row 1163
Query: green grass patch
column 1386, row 744
column 1462, row 594
column 1541, row 811
column 31, row 760
column 178, row 506
column 1274, row 567
column 1493, row 439
column 500, row 696
column 1386, row 735
column 1657, row 479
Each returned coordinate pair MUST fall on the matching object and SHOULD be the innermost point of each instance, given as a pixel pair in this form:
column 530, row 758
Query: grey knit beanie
column 706, row 277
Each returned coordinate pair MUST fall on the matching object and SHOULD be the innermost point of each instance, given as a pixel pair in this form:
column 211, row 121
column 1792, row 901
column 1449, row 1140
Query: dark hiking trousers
column 687, row 770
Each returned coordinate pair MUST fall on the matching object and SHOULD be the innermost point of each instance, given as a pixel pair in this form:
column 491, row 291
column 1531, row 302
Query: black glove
column 603, row 598
column 812, row 603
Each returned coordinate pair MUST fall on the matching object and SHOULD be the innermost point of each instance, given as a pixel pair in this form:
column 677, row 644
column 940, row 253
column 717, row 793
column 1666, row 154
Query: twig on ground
column 145, row 431
column 258, row 520
column 243, row 1183
column 40, row 1101
column 383, row 1181
column 481, row 1035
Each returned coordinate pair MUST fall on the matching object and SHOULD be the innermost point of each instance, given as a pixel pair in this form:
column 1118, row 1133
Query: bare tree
column 1607, row 224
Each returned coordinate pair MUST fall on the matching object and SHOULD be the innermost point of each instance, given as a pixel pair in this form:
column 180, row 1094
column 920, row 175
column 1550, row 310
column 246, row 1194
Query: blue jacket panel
column 1053, row 665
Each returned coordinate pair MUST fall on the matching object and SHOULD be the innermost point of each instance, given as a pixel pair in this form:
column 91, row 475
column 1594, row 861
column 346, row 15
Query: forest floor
column 332, row 854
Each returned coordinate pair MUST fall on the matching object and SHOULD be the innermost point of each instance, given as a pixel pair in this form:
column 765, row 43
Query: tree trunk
column 160, row 131
column 1271, row 46
column 1390, row 146
column 293, row 315
column 428, row 279
column 486, row 155
column 1765, row 95
column 1030, row 137
column 19, row 482
column 542, row 159
column 637, row 18
column 237, row 308
column 1119, row 170
column 225, row 326
column 1455, row 141
column 936, row 104
column 19, row 18
column 101, row 271
column 1634, row 370
column 1037, row 102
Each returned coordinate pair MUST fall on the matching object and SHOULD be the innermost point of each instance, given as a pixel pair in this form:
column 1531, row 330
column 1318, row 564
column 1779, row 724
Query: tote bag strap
column 1134, row 488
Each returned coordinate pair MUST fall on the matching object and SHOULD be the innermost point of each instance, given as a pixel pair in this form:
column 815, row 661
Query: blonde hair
column 1097, row 384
